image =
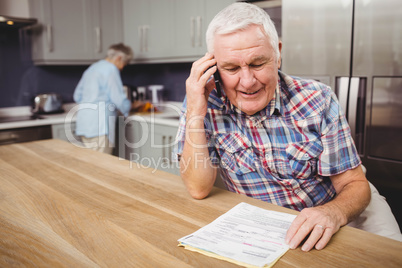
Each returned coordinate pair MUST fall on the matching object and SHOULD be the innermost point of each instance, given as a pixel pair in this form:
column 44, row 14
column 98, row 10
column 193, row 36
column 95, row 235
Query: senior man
column 273, row 137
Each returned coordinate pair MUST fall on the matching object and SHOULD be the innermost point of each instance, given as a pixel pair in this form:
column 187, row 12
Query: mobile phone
column 217, row 79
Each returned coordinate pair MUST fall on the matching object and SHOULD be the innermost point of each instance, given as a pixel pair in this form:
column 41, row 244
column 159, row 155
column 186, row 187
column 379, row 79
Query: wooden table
column 63, row 206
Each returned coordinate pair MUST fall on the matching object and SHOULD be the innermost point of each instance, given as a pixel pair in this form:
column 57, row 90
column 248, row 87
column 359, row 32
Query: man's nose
column 247, row 79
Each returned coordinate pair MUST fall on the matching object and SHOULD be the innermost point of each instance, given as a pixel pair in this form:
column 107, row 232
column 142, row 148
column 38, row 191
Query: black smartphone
column 217, row 79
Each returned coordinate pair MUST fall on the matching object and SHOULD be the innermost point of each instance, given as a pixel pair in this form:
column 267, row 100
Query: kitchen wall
column 20, row 79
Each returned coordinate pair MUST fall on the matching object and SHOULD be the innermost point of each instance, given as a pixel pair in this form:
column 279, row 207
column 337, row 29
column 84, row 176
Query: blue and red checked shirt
column 285, row 153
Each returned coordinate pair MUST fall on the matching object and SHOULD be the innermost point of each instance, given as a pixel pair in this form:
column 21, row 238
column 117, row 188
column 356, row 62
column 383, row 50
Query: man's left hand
column 320, row 222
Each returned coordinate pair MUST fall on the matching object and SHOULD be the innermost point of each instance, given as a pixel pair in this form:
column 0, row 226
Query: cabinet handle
column 199, row 28
column 49, row 37
column 143, row 29
column 352, row 105
column 146, row 28
column 170, row 150
column 352, row 86
column 163, row 148
column 140, row 36
column 192, row 31
column 98, row 33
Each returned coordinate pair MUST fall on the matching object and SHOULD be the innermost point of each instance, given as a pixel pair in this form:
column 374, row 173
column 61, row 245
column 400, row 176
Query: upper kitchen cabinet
column 147, row 27
column 74, row 32
column 190, row 26
column 168, row 31
column 107, row 27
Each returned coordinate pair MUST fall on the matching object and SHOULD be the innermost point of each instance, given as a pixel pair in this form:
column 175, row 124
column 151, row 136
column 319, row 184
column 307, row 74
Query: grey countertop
column 49, row 119
column 168, row 115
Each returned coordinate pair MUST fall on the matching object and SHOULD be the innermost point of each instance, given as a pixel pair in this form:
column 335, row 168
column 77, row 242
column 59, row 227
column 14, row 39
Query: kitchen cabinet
column 25, row 134
column 150, row 144
column 162, row 31
column 65, row 132
column 189, row 33
column 147, row 27
column 130, row 138
column 191, row 21
column 73, row 32
column 159, row 147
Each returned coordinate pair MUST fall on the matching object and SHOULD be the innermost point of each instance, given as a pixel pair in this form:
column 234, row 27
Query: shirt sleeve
column 117, row 95
column 78, row 91
column 339, row 151
column 181, row 137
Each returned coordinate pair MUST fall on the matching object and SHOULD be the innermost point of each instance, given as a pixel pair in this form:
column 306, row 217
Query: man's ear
column 280, row 53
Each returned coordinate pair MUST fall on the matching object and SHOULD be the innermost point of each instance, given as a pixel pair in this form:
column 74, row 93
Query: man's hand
column 196, row 169
column 197, row 88
column 322, row 222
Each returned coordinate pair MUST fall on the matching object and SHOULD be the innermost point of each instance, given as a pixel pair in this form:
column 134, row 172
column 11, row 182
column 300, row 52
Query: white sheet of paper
column 245, row 233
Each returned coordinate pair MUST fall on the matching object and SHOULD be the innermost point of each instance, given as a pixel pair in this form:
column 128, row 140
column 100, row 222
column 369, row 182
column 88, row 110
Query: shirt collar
column 278, row 107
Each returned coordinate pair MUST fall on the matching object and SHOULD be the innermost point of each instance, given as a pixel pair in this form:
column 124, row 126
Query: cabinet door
column 150, row 145
column 159, row 38
column 66, row 30
column 77, row 31
column 168, row 30
column 189, row 30
column 133, row 139
column 107, row 27
column 65, row 132
column 148, row 28
column 152, row 151
column 192, row 18
column 135, row 23
column 212, row 7
column 165, row 138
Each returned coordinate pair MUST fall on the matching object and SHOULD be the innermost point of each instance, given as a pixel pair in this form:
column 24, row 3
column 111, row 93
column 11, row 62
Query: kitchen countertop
column 168, row 115
column 66, row 206
column 48, row 119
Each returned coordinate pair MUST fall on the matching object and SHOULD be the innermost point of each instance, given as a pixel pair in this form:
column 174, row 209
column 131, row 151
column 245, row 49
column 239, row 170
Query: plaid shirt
column 285, row 153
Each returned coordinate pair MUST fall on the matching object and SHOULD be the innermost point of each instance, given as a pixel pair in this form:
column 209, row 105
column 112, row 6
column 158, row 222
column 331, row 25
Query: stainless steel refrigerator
column 355, row 46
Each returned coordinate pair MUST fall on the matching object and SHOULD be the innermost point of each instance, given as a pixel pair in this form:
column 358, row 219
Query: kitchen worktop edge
column 47, row 119
column 167, row 116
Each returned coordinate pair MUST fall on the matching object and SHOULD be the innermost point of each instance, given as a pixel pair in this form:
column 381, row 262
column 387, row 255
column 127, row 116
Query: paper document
column 246, row 235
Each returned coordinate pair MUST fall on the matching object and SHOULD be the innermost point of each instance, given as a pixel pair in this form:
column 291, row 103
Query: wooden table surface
column 63, row 206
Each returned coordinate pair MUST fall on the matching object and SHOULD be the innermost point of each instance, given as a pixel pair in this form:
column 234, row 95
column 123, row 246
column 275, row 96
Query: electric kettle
column 156, row 93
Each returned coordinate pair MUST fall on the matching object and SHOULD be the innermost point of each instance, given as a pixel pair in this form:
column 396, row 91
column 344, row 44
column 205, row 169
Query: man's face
column 248, row 67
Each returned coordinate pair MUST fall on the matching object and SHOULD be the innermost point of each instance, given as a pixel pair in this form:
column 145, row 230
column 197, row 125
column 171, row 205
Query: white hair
column 240, row 16
column 120, row 50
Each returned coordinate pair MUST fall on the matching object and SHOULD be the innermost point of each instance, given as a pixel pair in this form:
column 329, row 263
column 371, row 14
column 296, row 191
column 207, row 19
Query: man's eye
column 234, row 69
column 256, row 65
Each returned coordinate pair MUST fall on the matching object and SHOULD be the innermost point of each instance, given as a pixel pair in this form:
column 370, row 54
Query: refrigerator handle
column 351, row 94
column 353, row 99
column 342, row 88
